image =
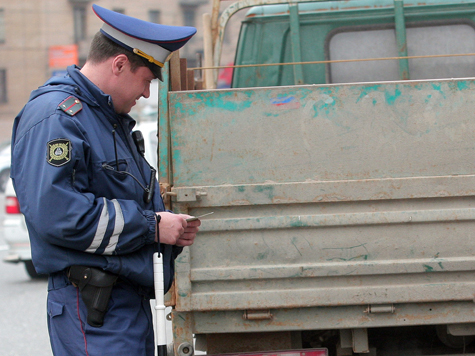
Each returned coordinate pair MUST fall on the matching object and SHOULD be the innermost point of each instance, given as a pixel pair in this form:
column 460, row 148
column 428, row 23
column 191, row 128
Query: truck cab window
column 421, row 41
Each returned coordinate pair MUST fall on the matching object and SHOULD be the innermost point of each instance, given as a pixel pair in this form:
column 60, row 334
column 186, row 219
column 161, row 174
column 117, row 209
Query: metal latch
column 257, row 315
column 187, row 194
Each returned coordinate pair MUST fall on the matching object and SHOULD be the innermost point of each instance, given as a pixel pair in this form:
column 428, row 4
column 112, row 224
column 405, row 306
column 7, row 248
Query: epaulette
column 71, row 106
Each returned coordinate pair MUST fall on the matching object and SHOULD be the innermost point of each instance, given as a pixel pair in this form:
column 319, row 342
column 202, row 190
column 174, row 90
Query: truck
column 340, row 171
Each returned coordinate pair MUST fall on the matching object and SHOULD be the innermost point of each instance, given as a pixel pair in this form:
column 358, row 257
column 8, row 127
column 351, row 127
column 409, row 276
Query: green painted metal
column 295, row 42
column 265, row 34
column 164, row 128
column 401, row 38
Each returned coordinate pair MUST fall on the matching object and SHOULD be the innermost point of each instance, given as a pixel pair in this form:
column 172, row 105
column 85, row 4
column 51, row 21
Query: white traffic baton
column 160, row 317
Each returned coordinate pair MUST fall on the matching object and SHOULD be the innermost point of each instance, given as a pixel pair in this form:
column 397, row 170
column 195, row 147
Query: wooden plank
column 199, row 85
column 190, row 80
column 208, row 74
column 183, row 75
column 175, row 81
column 214, row 21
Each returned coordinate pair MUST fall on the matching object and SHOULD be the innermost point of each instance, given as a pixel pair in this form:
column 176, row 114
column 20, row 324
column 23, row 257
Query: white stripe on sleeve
column 101, row 229
column 118, row 228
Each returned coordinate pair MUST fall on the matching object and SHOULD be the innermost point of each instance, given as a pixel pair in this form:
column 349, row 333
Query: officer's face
column 132, row 86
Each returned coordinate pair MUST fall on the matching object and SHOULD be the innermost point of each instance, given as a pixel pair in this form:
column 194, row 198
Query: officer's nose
column 146, row 92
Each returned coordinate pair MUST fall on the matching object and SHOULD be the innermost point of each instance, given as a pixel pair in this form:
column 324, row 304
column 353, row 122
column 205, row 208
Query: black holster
column 95, row 286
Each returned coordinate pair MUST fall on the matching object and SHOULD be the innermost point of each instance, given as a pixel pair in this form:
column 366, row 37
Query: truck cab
column 355, row 41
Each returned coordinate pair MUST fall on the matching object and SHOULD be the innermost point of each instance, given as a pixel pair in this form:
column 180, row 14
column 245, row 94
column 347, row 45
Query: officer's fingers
column 189, row 235
column 193, row 229
column 171, row 227
column 171, row 220
column 194, row 223
column 186, row 240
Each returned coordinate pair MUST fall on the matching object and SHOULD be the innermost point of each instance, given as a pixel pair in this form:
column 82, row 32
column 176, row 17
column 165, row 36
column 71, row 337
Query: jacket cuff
column 151, row 219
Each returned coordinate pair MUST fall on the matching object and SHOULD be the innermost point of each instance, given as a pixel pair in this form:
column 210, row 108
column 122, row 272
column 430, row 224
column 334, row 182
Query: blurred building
column 40, row 38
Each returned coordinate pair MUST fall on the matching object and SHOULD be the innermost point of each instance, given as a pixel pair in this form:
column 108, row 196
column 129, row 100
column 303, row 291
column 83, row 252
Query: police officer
column 87, row 193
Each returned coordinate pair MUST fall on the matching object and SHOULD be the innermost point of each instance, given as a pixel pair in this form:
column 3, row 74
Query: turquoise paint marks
column 428, row 268
column 463, row 85
column 437, row 86
column 460, row 85
column 355, row 258
column 294, row 242
column 391, row 98
column 367, row 90
column 262, row 255
column 344, row 248
column 268, row 190
column 178, row 106
column 436, row 257
column 220, row 100
column 330, row 90
column 297, row 223
column 350, row 253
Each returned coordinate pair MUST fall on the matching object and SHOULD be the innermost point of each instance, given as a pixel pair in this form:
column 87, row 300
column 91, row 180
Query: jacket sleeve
column 54, row 188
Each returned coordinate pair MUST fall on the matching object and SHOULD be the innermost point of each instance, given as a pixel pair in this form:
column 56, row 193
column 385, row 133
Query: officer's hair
column 102, row 48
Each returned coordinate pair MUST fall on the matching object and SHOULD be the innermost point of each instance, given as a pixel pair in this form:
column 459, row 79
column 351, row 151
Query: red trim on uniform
column 80, row 321
column 70, row 106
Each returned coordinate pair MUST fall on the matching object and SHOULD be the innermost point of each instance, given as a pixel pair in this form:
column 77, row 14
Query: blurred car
column 5, row 161
column 149, row 132
column 15, row 231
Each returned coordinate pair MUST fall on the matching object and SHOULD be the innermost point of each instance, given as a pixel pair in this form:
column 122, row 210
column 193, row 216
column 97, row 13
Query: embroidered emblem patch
column 59, row 152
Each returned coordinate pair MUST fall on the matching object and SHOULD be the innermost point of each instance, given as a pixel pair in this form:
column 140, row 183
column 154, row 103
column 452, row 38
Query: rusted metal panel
column 327, row 199
column 323, row 133
column 344, row 317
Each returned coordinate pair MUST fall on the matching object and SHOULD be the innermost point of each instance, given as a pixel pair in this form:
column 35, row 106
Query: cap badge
column 148, row 57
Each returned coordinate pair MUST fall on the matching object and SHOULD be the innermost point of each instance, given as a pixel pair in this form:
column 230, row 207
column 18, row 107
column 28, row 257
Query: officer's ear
column 119, row 64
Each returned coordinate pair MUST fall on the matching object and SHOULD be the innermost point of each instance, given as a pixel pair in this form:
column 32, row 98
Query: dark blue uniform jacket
column 78, row 208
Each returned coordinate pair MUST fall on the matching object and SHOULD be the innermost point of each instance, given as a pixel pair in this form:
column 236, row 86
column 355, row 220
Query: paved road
column 23, row 329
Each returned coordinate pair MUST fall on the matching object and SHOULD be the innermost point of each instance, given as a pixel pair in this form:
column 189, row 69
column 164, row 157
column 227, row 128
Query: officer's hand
column 175, row 230
column 189, row 235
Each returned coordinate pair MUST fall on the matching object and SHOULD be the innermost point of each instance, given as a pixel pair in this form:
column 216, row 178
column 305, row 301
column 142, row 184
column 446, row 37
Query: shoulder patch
column 71, row 106
column 58, row 152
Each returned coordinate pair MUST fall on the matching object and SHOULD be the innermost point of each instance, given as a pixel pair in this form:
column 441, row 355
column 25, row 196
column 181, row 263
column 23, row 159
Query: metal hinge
column 380, row 309
column 257, row 315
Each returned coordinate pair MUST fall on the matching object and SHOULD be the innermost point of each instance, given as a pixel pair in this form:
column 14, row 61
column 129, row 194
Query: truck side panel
column 327, row 201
